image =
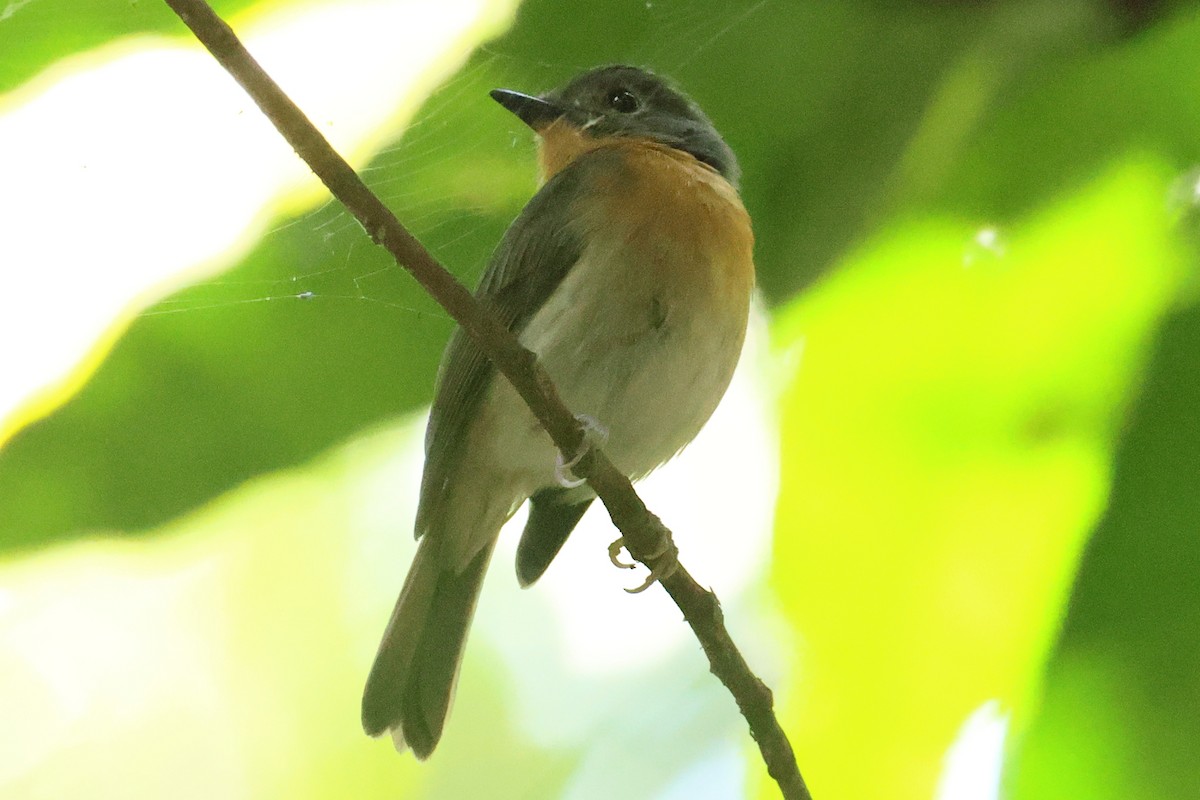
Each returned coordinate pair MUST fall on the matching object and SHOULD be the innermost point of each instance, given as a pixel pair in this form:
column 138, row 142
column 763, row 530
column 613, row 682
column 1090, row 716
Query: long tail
column 412, row 681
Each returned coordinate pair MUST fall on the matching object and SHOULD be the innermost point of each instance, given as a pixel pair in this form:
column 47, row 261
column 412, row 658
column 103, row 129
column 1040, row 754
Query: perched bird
column 629, row 274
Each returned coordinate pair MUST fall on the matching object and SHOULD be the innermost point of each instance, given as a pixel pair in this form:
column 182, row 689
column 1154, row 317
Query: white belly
column 650, row 367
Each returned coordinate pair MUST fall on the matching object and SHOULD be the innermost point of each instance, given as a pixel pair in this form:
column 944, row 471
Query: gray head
column 618, row 101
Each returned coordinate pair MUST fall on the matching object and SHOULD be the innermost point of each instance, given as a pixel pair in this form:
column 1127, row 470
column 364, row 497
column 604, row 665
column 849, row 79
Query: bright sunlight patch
column 144, row 165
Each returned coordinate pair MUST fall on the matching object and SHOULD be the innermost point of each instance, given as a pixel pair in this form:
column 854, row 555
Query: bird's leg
column 663, row 560
column 594, row 435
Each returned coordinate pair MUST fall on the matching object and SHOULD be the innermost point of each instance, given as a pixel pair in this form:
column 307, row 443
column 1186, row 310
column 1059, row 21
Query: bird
column 629, row 274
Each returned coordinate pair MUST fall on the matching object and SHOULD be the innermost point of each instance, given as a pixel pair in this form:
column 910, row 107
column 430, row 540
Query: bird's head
column 618, row 102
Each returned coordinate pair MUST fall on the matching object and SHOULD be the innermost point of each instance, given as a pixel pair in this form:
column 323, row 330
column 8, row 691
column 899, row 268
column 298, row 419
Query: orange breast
column 688, row 220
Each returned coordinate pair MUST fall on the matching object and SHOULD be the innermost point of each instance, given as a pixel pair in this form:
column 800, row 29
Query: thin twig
column 646, row 538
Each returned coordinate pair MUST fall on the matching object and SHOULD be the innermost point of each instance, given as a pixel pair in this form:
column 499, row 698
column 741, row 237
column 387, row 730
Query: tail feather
column 553, row 514
column 412, row 680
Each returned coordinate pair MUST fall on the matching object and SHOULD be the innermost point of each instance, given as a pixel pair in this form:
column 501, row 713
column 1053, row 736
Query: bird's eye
column 624, row 101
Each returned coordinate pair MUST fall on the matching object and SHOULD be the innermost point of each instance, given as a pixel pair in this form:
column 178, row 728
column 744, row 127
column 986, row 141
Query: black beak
column 533, row 111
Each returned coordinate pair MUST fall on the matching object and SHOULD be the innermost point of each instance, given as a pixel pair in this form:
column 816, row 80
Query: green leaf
column 39, row 33
column 947, row 439
column 1121, row 713
column 139, row 167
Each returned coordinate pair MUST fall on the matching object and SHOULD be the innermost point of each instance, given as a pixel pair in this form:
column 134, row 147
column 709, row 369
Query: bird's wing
column 537, row 251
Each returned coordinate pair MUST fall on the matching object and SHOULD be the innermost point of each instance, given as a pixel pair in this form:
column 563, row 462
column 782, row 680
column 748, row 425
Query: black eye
column 623, row 100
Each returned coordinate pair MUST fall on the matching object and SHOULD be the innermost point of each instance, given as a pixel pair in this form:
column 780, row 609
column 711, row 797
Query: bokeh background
column 950, row 504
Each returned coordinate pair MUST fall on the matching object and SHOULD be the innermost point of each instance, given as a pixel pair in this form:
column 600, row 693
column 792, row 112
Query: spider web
column 455, row 177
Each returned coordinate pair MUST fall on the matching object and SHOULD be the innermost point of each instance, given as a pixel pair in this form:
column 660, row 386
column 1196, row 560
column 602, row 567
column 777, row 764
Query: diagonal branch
column 645, row 536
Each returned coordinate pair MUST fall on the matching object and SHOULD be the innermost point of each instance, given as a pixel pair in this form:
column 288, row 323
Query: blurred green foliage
column 946, row 446
column 1119, row 718
column 969, row 230
column 37, row 35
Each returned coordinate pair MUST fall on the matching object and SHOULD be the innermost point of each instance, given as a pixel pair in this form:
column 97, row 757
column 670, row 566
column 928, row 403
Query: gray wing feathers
column 537, row 251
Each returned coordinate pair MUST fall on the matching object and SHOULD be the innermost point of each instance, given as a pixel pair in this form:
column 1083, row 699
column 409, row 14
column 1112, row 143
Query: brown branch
column 645, row 537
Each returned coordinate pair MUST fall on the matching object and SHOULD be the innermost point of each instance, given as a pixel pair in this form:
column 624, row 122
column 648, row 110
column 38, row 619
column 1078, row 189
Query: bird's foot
column 663, row 561
column 594, row 435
